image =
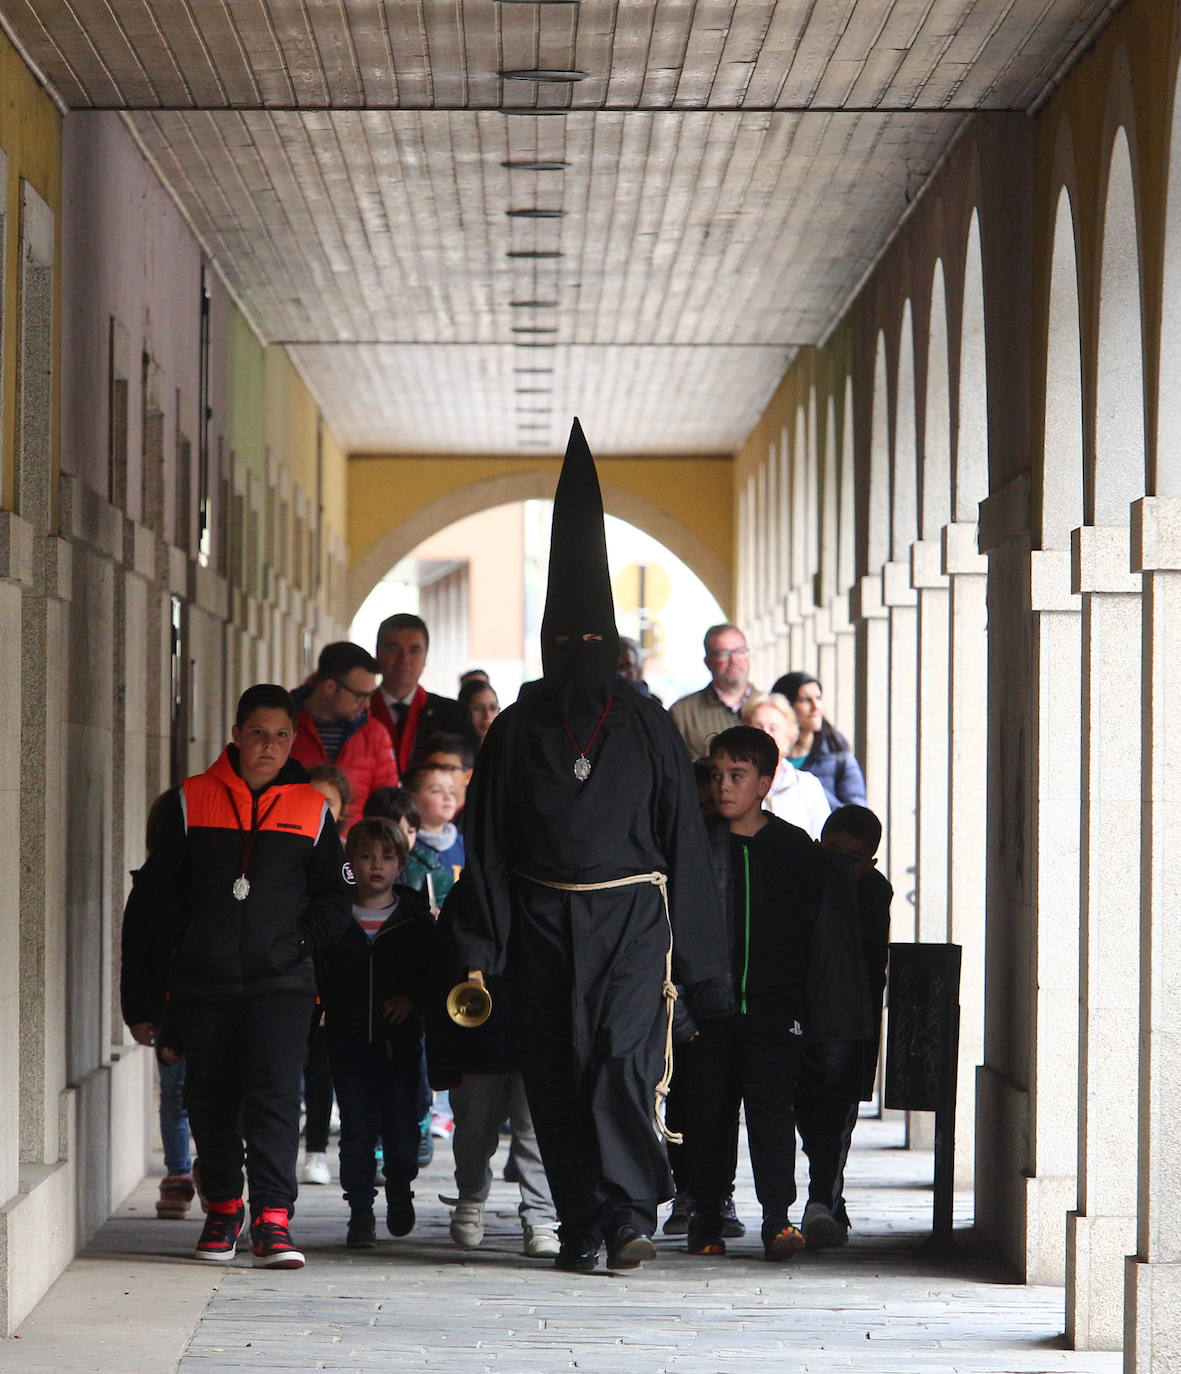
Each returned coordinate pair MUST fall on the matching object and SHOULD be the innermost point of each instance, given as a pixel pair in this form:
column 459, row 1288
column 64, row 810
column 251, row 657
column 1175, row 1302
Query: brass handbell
column 469, row 1004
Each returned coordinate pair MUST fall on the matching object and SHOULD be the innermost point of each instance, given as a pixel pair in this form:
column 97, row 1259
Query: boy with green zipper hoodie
column 797, row 970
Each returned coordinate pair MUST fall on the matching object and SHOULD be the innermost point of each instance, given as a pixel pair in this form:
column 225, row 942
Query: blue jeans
column 174, row 1120
column 379, row 1097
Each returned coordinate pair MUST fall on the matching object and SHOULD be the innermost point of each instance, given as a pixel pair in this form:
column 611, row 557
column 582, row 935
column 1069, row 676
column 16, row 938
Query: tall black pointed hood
column 578, row 599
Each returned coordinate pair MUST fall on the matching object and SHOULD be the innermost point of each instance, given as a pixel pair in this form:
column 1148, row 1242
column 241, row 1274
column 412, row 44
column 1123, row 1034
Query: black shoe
column 678, row 1219
column 399, row 1215
column 362, row 1232
column 577, row 1258
column 731, row 1226
column 629, row 1248
column 705, row 1236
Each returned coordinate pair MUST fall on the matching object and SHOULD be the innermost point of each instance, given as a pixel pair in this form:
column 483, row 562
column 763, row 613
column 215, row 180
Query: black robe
column 587, row 968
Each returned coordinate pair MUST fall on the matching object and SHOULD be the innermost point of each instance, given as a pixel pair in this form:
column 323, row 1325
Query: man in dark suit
column 409, row 712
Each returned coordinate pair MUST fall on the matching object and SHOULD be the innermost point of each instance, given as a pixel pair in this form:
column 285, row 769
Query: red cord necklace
column 582, row 765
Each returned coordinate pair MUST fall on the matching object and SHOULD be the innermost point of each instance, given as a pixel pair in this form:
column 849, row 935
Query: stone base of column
column 1096, row 1248
column 1047, row 1202
column 1152, row 1316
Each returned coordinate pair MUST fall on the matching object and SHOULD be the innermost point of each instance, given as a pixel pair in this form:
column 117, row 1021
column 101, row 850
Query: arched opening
column 877, row 535
column 970, row 476
column 480, row 584
column 1118, row 471
column 1062, row 448
column 935, row 494
column 525, row 485
column 873, row 694
column 904, row 497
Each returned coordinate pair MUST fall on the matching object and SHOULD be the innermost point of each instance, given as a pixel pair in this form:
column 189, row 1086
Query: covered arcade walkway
column 871, row 310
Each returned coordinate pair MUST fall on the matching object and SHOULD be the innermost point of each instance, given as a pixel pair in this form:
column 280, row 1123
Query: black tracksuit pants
column 827, row 1098
column 749, row 1060
column 244, row 1062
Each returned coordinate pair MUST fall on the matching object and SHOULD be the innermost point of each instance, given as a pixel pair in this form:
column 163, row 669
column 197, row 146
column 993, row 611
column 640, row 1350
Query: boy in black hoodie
column 796, row 970
column 372, row 984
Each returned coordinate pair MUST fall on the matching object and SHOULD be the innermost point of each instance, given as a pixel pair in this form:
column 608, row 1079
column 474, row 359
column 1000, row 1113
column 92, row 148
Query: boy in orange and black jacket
column 248, row 881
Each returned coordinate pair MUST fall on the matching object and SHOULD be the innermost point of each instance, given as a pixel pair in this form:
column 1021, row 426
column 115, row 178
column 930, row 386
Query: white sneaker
column 821, row 1229
column 315, row 1168
column 467, row 1223
column 541, row 1241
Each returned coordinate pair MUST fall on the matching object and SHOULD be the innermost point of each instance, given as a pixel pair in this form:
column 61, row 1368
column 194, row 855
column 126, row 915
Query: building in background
column 480, row 586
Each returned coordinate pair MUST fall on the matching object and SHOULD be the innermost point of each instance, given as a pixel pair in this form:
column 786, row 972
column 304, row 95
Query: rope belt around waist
column 668, row 987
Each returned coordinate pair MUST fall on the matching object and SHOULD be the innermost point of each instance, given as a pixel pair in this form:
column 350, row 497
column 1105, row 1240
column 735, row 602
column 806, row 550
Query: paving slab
column 136, row 1301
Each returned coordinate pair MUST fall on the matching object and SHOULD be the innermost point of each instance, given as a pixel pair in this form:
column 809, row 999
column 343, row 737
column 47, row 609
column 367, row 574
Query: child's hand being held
column 397, row 1009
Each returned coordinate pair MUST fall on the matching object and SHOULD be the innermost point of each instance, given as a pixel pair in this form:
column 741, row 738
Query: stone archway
column 528, row 485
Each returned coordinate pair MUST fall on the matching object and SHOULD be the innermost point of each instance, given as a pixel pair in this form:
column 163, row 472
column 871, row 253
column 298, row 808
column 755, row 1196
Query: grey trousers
column 481, row 1101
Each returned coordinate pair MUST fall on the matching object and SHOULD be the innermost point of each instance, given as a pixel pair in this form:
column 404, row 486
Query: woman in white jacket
column 795, row 796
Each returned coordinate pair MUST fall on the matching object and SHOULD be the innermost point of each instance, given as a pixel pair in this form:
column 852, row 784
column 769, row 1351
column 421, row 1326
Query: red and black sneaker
column 782, row 1240
column 219, row 1235
column 271, row 1241
column 705, row 1234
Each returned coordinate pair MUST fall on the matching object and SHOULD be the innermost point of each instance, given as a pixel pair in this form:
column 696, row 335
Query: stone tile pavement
column 136, row 1304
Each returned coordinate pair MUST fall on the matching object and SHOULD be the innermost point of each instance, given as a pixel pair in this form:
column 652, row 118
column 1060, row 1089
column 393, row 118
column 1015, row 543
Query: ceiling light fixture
column 535, row 253
column 532, row 369
column 540, row 110
column 534, row 305
column 536, row 214
column 544, row 74
column 534, row 329
column 524, row 165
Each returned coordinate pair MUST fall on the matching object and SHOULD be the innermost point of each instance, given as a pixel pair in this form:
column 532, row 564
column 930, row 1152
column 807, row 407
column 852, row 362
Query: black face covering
column 578, row 598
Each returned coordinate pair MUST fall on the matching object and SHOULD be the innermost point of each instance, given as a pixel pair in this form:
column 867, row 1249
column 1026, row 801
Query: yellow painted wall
column 684, row 502
column 31, row 138
column 291, row 417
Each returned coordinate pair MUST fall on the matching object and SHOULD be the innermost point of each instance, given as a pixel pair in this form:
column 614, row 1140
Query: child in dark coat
column 372, row 983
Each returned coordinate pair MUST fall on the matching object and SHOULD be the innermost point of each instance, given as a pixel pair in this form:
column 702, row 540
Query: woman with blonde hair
column 795, row 796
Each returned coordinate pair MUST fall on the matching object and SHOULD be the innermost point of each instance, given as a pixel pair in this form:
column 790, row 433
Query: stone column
column 1102, row 1231
column 1050, row 1166
column 931, row 584
column 967, row 573
column 1152, row 1276
column 901, row 601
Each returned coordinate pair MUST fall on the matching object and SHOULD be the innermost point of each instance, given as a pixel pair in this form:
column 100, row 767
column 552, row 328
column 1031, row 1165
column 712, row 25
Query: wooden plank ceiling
column 642, row 232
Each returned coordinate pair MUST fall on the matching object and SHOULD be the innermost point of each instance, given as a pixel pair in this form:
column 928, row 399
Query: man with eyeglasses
column 702, row 715
column 333, row 724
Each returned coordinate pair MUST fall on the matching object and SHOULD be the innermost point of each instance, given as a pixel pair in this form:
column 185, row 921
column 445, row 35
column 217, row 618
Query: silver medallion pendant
column 241, row 888
column 582, row 768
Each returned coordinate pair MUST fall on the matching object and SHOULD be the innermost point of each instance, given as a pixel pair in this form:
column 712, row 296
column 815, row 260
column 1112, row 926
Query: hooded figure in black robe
column 587, row 968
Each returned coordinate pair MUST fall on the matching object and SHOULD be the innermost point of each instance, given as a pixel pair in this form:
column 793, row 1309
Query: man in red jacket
column 334, row 725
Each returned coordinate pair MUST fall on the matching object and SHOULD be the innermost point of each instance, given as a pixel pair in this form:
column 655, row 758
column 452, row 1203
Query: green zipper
column 746, row 894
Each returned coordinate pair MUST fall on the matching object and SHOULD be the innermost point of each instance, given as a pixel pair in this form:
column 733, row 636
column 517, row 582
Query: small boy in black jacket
column 372, row 983
column 838, row 1074
column 796, row 966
